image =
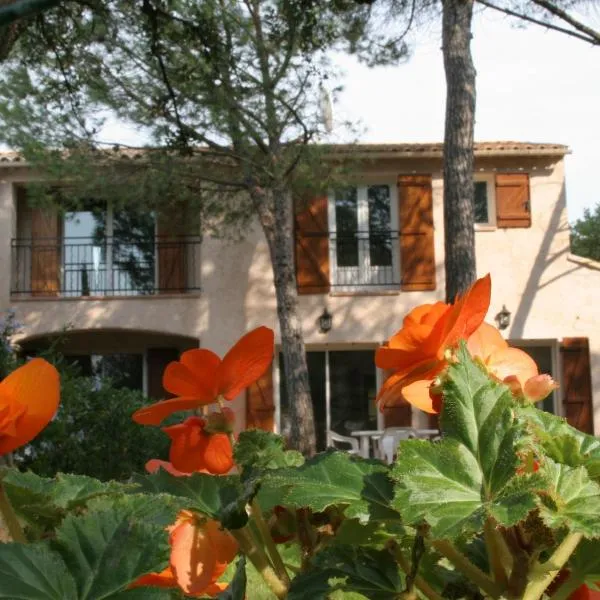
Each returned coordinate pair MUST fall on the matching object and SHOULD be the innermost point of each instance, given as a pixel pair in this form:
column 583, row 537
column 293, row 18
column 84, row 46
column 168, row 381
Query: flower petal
column 245, row 362
column 193, row 558
column 35, row 385
column 158, row 412
column 512, row 363
column 154, row 464
column 224, row 544
column 188, row 444
column 417, row 394
column 193, row 375
column 485, row 341
column 164, row 579
column 539, row 387
column 218, row 454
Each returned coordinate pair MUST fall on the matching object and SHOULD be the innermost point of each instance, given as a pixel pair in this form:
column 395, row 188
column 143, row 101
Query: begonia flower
column 29, row 398
column 200, row 377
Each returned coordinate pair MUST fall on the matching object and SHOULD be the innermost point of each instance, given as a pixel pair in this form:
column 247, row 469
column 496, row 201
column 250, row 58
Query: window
column 363, row 245
column 108, row 251
column 124, row 370
column 485, row 204
column 343, row 386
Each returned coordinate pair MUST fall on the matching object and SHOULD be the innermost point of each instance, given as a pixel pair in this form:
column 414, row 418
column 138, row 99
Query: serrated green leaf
column 336, row 478
column 33, row 572
column 237, row 588
column 571, row 500
column 457, row 483
column 106, row 550
column 373, row 573
column 561, row 442
column 257, row 449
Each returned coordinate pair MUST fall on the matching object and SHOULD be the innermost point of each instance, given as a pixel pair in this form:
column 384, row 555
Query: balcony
column 82, row 267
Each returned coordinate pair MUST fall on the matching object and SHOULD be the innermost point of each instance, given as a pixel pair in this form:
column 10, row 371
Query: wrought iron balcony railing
column 77, row 267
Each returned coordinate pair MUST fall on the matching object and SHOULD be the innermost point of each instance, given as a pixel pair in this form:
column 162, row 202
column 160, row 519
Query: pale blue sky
column 532, row 85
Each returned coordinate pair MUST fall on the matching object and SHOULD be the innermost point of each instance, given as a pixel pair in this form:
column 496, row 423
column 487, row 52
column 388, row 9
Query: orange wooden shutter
column 576, row 384
column 171, row 250
column 312, row 246
column 512, row 200
column 417, row 254
column 157, row 360
column 260, row 406
column 45, row 252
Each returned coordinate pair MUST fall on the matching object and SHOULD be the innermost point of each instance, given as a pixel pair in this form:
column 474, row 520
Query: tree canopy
column 585, row 234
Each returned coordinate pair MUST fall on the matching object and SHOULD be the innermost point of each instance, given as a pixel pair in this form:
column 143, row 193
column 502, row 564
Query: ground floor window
column 124, row 370
column 343, row 384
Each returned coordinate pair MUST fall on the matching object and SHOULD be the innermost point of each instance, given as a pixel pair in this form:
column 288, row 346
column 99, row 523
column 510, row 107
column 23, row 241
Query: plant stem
column 10, row 518
column 260, row 561
column 276, row 559
column 493, row 541
column 467, row 568
column 547, row 571
column 419, row 582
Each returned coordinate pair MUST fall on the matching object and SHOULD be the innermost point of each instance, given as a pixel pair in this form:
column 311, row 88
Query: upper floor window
column 485, row 201
column 363, row 236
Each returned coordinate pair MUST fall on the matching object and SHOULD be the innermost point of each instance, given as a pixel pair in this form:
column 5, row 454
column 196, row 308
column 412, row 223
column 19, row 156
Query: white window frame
column 363, row 220
column 490, row 180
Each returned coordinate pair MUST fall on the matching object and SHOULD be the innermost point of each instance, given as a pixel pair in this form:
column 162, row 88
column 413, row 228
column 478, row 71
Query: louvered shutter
column 312, row 246
column 45, row 251
column 512, row 200
column 417, row 254
column 576, row 384
column 157, row 360
column 171, row 250
column 260, row 406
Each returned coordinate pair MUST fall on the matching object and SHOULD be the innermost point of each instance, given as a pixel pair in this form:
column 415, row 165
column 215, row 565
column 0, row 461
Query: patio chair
column 388, row 442
column 337, row 440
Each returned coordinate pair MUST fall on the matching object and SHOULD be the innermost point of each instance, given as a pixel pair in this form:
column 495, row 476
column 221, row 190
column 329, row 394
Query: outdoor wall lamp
column 325, row 321
column 503, row 318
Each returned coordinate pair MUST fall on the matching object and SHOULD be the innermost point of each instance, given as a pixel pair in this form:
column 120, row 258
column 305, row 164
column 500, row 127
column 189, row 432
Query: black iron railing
column 358, row 258
column 77, row 267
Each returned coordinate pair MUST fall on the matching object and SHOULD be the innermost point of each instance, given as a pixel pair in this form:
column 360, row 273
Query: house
column 136, row 290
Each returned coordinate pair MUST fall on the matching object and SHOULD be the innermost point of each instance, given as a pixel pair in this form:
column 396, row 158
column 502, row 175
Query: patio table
column 364, row 439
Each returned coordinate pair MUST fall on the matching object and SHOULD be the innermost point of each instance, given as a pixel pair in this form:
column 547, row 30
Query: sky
column 533, row 85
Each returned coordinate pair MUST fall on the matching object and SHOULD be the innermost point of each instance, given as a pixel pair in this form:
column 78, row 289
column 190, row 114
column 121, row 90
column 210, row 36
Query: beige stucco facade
column 550, row 294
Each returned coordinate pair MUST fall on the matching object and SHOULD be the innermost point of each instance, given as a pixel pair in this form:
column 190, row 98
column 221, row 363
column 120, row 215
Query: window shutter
column 171, row 250
column 312, row 246
column 576, row 384
column 260, row 407
column 512, row 200
column 157, row 360
column 417, row 255
column 45, row 251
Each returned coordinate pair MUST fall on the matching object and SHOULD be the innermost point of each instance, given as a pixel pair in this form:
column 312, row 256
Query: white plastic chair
column 335, row 439
column 388, row 442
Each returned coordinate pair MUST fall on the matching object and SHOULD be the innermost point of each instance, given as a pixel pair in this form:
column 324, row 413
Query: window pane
column 542, row 355
column 316, row 376
column 133, row 252
column 124, row 370
column 353, row 390
column 380, row 243
column 84, row 251
column 481, row 203
column 346, row 223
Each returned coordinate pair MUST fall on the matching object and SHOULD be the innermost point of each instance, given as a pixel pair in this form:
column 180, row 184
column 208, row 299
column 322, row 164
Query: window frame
column 490, row 180
column 362, row 221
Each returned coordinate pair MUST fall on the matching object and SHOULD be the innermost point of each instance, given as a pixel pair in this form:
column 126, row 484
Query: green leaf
column 237, row 588
column 336, row 478
column 571, row 500
column 258, row 449
column 457, row 483
column 585, row 562
column 33, row 572
column 373, row 573
column 561, row 442
column 106, row 550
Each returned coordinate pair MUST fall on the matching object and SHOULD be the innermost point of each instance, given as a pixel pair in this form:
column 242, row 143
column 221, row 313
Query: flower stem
column 419, row 582
column 10, row 518
column 495, row 546
column 467, row 568
column 547, row 571
column 258, row 558
column 265, row 534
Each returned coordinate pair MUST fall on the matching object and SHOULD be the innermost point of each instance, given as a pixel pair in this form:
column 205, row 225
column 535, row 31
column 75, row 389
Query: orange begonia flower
column 194, row 449
column 29, row 399
column 200, row 554
column 154, row 464
column 200, row 377
column 417, row 352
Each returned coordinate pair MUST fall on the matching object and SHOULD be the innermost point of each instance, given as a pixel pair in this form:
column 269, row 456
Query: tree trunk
column 458, row 147
column 277, row 223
